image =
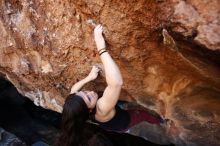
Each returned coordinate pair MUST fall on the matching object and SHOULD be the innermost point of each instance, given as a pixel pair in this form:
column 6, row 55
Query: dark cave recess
column 32, row 123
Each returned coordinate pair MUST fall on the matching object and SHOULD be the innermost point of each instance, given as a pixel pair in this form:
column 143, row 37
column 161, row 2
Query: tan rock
column 46, row 46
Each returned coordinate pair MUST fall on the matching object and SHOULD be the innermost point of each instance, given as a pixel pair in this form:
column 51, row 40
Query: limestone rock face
column 168, row 53
column 200, row 20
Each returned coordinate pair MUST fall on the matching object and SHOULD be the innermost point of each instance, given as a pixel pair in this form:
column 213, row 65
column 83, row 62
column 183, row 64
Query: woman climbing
column 83, row 105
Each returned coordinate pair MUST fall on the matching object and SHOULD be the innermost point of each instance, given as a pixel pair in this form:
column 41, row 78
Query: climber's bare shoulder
column 105, row 106
column 99, row 116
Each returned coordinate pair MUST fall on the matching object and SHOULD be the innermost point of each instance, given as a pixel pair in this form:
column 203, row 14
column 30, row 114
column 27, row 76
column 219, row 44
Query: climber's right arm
column 105, row 107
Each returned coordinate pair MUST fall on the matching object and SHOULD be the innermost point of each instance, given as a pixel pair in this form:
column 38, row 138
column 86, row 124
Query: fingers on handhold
column 98, row 26
column 96, row 67
column 102, row 29
column 100, row 67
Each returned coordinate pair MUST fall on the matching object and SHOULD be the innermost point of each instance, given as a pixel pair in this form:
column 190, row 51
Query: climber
column 83, row 105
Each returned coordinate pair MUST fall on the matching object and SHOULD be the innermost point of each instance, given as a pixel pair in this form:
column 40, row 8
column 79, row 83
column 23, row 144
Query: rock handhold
column 168, row 40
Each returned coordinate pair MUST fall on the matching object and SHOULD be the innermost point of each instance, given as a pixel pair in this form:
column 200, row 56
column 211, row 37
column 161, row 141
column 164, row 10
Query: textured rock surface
column 46, row 46
column 200, row 20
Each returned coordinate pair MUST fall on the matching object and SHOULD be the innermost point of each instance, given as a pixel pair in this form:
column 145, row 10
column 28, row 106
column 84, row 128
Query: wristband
column 102, row 50
column 102, row 53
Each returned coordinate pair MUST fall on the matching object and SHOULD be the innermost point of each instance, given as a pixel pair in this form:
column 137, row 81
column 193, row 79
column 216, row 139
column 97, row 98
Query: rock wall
column 168, row 52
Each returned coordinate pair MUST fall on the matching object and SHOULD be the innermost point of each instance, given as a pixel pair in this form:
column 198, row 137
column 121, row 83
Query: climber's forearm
column 77, row 86
column 112, row 72
column 91, row 76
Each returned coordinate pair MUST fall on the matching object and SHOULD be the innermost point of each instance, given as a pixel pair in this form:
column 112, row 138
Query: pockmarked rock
column 167, row 51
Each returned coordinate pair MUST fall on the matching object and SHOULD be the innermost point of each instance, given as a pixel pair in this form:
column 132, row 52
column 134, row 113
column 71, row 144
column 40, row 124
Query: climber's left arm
column 92, row 76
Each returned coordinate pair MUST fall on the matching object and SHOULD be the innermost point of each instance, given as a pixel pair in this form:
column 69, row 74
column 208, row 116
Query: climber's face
column 90, row 98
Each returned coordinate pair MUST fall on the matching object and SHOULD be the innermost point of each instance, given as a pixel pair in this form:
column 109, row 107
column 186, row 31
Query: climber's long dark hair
column 74, row 116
